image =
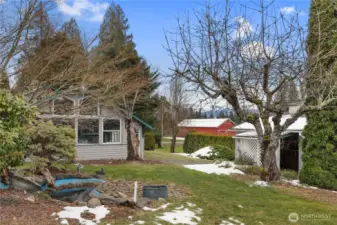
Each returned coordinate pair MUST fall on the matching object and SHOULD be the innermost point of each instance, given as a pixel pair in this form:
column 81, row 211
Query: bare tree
column 178, row 105
column 247, row 64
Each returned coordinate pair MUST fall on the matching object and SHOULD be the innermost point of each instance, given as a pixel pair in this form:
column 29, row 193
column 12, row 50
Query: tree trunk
column 271, row 171
column 46, row 174
column 173, row 143
column 132, row 154
column 5, row 176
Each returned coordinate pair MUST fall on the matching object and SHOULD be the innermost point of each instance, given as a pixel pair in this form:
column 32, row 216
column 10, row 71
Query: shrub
column 289, row 174
column 320, row 150
column 195, row 141
column 47, row 143
column 252, row 170
column 244, row 160
column 150, row 142
column 220, row 152
column 14, row 115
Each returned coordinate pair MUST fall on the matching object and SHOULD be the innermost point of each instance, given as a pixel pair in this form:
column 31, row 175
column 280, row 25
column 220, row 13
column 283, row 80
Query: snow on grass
column 72, row 212
column 181, row 216
column 240, row 206
column 138, row 222
column 231, row 221
column 297, row 183
column 203, row 152
column 225, row 168
column 261, row 183
column 145, row 208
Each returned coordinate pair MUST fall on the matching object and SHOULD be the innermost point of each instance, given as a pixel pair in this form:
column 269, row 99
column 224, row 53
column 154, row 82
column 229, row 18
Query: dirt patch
column 118, row 162
column 308, row 193
column 116, row 188
column 15, row 210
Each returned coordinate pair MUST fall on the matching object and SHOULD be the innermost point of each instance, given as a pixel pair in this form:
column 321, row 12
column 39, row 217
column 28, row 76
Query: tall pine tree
column 320, row 143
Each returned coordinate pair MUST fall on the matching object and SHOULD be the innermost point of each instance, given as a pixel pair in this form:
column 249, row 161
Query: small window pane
column 111, row 137
column 111, row 125
column 88, row 131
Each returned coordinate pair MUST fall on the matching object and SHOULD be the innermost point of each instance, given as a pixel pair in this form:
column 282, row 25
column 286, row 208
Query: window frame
column 120, row 131
column 77, row 131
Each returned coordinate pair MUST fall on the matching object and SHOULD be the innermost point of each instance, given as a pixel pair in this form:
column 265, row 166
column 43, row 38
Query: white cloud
column 94, row 11
column 288, row 10
column 243, row 28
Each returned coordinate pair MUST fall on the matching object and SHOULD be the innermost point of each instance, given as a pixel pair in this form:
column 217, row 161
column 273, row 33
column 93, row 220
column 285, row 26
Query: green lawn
column 166, row 148
column 219, row 196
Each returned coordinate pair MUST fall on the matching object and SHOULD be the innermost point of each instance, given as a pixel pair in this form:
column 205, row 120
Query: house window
column 111, row 131
column 88, row 131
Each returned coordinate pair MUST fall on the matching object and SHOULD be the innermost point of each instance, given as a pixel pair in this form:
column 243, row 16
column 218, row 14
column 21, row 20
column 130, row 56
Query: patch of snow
column 203, row 152
column 140, row 222
column 130, row 217
column 240, row 206
column 183, row 216
column 53, row 214
column 233, row 222
column 183, row 154
column 180, row 207
column 215, row 168
column 145, row 208
column 297, row 183
column 261, row 183
column 72, row 212
column 64, row 222
column 198, row 210
column 189, row 204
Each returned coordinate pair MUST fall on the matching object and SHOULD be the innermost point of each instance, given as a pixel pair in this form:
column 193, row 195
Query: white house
column 289, row 153
column 100, row 132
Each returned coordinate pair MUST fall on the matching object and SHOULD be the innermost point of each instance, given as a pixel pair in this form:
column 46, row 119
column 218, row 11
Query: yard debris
column 141, row 203
column 71, row 212
column 215, row 168
column 156, row 209
column 30, row 198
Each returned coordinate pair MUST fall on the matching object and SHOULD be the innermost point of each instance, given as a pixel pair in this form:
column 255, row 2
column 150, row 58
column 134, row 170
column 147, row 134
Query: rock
column 80, row 203
column 162, row 199
column 122, row 195
column 22, row 183
column 42, row 195
column 30, row 198
column 143, row 202
column 94, row 202
column 109, row 200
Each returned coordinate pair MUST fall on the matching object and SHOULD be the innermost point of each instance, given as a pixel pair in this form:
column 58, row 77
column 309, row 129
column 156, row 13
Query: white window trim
column 120, row 132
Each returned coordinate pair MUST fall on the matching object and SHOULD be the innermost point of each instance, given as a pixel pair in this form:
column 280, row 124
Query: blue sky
column 148, row 19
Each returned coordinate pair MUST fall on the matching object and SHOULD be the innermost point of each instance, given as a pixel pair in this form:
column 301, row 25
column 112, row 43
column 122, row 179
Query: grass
column 166, row 148
column 219, row 196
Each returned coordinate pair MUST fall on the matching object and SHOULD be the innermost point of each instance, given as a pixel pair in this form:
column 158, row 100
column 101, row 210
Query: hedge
column 320, row 150
column 150, row 141
column 194, row 141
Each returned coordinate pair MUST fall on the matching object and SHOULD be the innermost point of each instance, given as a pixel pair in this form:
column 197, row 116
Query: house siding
column 95, row 152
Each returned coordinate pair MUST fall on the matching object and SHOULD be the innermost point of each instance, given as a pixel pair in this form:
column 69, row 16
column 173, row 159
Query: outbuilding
column 207, row 126
column 289, row 153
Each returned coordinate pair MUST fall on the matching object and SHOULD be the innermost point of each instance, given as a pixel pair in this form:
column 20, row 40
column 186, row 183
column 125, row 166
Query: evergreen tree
column 320, row 143
column 71, row 29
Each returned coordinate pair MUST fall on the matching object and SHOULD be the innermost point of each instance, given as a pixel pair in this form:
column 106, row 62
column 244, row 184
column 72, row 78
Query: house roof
column 202, row 122
column 142, row 122
column 298, row 125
